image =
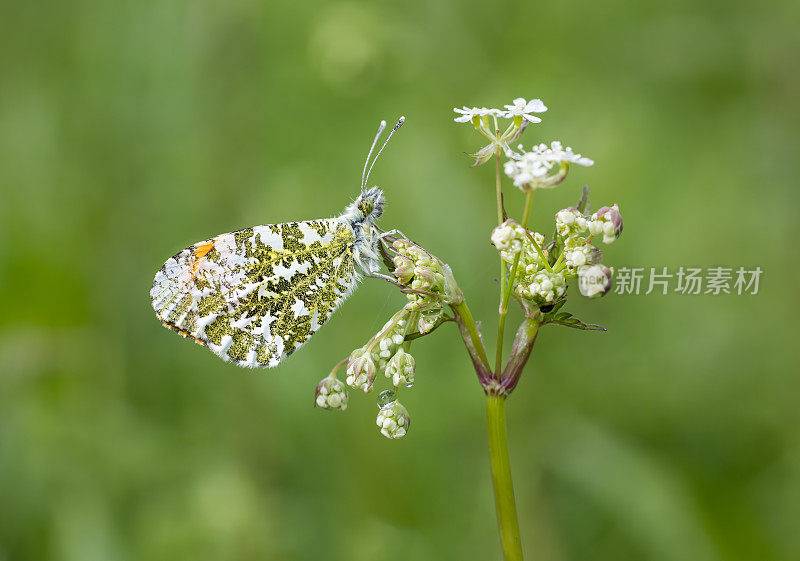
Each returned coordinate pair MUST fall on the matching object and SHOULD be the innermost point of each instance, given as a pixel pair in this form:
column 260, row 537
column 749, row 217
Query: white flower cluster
column 543, row 287
column 331, row 394
column 485, row 121
column 510, row 238
column 393, row 418
column 518, row 108
column 578, row 253
column 571, row 223
column 543, row 281
column 536, row 169
column 579, row 256
column 533, row 281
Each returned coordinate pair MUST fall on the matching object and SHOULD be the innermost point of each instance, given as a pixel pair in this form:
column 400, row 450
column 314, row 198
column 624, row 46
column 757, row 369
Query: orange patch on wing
column 202, row 250
column 199, row 252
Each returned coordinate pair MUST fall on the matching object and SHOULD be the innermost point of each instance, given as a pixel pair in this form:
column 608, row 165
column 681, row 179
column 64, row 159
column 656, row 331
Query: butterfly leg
column 383, row 277
column 389, row 233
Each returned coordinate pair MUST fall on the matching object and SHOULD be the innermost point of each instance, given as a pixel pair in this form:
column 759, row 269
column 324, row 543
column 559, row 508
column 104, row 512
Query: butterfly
column 255, row 296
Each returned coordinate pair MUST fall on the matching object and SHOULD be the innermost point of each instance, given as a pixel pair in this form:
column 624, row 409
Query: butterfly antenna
column 371, row 148
column 397, row 126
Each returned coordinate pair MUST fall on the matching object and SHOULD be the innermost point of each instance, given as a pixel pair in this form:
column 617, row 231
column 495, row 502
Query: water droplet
column 386, row 397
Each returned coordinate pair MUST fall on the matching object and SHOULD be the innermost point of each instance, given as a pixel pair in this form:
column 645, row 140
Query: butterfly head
column 368, row 207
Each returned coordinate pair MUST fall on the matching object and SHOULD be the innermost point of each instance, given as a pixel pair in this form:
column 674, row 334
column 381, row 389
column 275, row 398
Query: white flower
column 534, row 169
column 507, row 236
column 594, row 281
column 570, row 222
column 331, row 394
column 544, row 287
column 522, row 108
column 393, row 419
column 556, row 153
column 468, row 113
column 510, row 238
column 581, row 254
column 527, row 169
column 400, row 369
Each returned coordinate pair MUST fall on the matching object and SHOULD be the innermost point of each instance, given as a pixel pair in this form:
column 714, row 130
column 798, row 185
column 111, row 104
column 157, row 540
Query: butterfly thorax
column 361, row 216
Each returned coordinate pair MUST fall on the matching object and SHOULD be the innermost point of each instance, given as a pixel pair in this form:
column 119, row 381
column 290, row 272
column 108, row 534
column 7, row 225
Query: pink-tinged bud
column 430, row 278
column 613, row 230
column 594, row 281
column 404, row 268
column 361, row 371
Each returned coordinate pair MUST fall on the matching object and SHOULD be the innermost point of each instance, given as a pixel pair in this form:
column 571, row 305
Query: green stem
column 501, row 478
column 505, row 292
column 472, row 331
column 539, row 251
column 411, row 324
column 499, row 191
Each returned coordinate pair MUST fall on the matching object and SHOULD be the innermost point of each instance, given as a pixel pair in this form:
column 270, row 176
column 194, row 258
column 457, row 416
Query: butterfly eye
column 366, row 207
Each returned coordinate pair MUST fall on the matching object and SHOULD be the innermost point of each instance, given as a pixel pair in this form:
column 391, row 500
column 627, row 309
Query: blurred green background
column 130, row 129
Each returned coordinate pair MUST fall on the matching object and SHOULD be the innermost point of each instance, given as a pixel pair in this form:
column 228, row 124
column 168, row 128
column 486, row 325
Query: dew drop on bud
column 386, row 397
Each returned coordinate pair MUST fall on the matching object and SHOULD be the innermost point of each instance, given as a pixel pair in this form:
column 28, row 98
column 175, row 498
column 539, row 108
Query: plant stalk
column 499, row 192
column 505, row 293
column 472, row 341
column 501, row 477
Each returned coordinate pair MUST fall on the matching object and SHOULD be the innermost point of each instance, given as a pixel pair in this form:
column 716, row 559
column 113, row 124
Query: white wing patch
column 257, row 295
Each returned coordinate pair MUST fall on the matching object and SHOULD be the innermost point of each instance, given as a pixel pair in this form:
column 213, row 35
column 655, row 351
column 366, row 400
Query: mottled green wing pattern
column 256, row 295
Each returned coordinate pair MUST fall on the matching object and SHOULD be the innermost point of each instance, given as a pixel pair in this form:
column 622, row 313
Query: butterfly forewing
column 256, row 295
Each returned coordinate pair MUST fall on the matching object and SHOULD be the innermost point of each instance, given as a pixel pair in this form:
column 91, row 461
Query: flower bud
column 331, row 394
column 543, row 288
column 606, row 221
column 581, row 254
column 401, row 369
column 404, row 268
column 504, row 235
column 360, row 371
column 570, row 222
column 393, row 418
column 594, row 281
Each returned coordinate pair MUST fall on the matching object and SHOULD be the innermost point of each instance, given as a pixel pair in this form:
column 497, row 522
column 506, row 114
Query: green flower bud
column 360, row 371
column 331, row 394
column 393, row 419
column 400, row 369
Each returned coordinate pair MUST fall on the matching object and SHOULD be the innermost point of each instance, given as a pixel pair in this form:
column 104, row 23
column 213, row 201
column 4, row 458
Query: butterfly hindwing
column 254, row 296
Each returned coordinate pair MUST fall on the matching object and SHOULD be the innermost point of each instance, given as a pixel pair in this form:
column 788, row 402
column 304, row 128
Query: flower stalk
column 501, row 477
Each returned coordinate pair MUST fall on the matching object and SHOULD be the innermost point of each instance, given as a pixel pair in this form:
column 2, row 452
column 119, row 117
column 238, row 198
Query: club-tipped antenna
column 399, row 124
column 371, row 148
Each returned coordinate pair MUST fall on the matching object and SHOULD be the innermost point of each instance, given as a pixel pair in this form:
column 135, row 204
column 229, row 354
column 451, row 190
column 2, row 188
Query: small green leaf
column 568, row 320
column 583, row 202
